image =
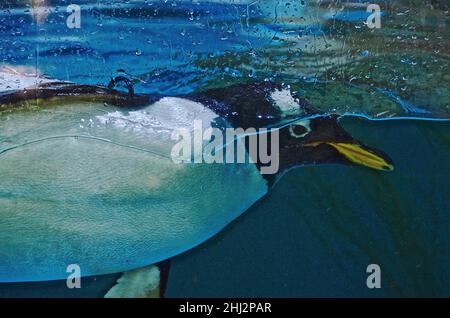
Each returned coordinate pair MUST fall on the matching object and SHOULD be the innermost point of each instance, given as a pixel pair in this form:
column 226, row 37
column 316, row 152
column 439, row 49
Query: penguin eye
column 300, row 129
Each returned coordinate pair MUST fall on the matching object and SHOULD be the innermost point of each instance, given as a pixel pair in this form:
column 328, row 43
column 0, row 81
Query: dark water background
column 315, row 234
column 317, row 231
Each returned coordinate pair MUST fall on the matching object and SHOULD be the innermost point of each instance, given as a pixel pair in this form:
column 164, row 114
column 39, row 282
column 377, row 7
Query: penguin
column 87, row 176
column 306, row 135
column 265, row 104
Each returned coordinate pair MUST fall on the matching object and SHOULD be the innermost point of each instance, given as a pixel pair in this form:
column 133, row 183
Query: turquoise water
column 316, row 232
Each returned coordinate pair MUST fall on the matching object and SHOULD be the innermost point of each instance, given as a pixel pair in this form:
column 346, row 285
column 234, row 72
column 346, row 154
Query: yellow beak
column 358, row 155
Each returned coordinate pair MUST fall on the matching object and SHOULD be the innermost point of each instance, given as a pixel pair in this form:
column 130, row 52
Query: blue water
column 177, row 47
column 158, row 41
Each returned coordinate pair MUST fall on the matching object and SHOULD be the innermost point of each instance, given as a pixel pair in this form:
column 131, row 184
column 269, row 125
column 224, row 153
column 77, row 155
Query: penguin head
column 322, row 140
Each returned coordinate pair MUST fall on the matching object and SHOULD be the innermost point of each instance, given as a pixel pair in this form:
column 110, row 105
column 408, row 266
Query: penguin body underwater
column 87, row 177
